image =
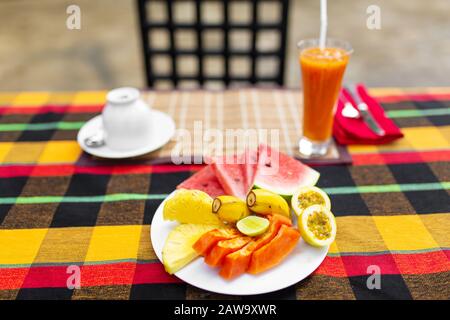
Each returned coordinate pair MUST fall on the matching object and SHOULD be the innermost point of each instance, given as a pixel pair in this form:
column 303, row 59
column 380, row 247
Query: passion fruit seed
column 309, row 198
column 319, row 225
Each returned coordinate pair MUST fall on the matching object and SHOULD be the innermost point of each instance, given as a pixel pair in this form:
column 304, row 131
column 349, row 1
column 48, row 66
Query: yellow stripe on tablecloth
column 356, row 234
column 380, row 92
column 6, row 98
column 64, row 245
column 60, row 152
column 61, row 98
column 20, row 246
column 5, row 148
column 114, row 243
column 89, row 98
column 22, row 152
column 404, row 232
column 75, row 244
column 438, row 225
column 385, row 91
column 31, row 99
column 42, row 152
column 415, row 139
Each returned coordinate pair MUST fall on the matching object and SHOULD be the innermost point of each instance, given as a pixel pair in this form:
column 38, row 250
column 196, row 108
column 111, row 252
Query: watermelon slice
column 251, row 167
column 232, row 175
column 204, row 180
column 282, row 174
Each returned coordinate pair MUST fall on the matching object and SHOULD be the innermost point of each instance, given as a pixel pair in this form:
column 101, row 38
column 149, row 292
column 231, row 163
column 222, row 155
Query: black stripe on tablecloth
column 434, row 201
column 41, row 135
column 44, row 294
column 342, row 204
column 81, row 214
column 393, row 287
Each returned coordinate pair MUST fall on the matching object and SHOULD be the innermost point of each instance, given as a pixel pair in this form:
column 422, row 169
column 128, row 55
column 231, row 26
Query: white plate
column 296, row 267
column 163, row 130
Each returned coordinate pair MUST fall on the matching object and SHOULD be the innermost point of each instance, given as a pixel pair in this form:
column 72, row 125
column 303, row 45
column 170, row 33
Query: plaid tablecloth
column 60, row 208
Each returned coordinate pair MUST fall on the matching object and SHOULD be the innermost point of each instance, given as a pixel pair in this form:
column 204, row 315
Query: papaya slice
column 222, row 248
column 237, row 263
column 207, row 241
column 274, row 252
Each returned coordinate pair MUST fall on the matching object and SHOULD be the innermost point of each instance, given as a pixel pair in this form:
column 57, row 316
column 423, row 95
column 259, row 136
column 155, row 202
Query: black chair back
column 202, row 51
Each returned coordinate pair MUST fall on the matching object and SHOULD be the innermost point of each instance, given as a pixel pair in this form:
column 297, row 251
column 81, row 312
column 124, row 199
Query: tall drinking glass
column 322, row 72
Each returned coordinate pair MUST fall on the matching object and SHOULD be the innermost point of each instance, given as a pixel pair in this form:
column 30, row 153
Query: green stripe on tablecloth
column 411, row 113
column 389, row 188
column 65, row 125
column 377, row 253
column 138, row 196
column 68, row 199
column 62, row 125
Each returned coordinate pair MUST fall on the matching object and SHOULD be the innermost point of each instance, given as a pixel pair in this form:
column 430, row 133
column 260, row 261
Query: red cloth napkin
column 356, row 131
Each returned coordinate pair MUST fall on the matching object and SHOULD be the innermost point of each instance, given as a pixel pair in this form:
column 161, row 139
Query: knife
column 365, row 112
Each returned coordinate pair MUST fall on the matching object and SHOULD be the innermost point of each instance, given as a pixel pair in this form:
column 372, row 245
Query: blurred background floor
column 38, row 52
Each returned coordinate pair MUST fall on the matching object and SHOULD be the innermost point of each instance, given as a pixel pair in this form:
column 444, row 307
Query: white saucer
column 163, row 130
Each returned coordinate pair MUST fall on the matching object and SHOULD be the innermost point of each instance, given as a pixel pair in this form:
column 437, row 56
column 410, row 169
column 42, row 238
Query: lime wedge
column 253, row 225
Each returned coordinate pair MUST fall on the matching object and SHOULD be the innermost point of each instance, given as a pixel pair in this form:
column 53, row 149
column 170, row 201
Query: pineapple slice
column 190, row 206
column 178, row 251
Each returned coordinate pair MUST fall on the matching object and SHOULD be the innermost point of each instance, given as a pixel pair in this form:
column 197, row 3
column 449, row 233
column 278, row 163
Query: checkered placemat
column 55, row 118
column 60, row 212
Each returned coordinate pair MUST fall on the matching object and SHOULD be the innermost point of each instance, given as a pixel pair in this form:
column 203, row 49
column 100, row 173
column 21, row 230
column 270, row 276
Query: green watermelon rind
column 288, row 192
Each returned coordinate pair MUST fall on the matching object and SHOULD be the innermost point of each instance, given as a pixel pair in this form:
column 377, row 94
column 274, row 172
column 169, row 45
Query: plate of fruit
column 252, row 225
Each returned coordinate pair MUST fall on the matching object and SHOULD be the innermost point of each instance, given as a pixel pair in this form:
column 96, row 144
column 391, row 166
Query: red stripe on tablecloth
column 132, row 273
column 152, row 273
column 332, row 266
column 12, row 278
column 413, row 263
column 66, row 170
column 91, row 275
column 412, row 97
column 358, row 265
column 53, row 109
column 400, row 157
column 46, row 277
column 431, row 262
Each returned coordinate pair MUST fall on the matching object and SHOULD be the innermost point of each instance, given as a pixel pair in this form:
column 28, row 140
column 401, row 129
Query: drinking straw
column 323, row 23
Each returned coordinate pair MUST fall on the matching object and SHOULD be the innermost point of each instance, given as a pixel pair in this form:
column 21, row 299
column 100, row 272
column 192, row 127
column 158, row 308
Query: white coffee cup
column 127, row 120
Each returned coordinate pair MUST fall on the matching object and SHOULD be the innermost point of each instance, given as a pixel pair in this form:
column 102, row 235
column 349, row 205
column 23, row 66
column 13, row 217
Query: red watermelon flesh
column 232, row 175
column 204, row 180
column 251, row 167
column 282, row 174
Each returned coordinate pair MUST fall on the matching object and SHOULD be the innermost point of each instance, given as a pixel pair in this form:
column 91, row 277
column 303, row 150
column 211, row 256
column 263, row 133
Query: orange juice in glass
column 322, row 72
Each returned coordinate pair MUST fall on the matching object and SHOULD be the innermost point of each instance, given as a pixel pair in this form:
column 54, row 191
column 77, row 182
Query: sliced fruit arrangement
column 254, row 255
column 245, row 230
column 238, row 262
